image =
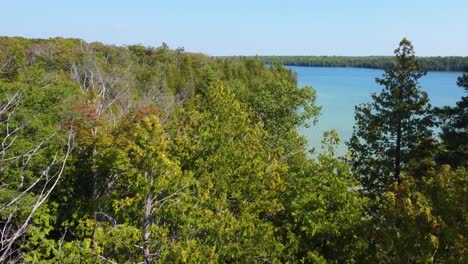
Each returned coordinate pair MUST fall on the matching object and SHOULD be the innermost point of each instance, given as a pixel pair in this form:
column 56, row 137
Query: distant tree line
column 373, row 62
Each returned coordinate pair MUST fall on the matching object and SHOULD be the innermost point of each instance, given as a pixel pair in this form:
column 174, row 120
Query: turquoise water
column 340, row 89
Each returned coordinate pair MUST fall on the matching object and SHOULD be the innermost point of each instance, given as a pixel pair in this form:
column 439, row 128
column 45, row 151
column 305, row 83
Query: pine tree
column 389, row 129
column 454, row 124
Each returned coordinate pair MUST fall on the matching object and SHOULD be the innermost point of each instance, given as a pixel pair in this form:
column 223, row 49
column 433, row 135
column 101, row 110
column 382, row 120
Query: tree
column 389, row 129
column 236, row 182
column 29, row 172
column 324, row 211
column 454, row 124
column 146, row 184
column 280, row 105
column 423, row 221
column 406, row 227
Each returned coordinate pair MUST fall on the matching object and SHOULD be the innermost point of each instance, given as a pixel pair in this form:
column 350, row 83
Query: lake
column 340, row 89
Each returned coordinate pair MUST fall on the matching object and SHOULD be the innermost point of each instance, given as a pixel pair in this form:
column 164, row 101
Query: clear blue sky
column 250, row 27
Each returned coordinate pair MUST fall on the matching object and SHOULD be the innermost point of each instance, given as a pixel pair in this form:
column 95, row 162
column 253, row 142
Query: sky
column 250, row 27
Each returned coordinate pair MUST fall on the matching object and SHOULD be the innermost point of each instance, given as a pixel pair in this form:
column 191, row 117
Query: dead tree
column 40, row 188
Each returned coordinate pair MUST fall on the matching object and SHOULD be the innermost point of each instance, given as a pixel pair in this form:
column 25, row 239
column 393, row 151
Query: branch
column 45, row 192
column 172, row 195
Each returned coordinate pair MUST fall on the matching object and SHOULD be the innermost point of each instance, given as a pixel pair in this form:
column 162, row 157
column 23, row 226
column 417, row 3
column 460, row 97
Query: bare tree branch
column 11, row 230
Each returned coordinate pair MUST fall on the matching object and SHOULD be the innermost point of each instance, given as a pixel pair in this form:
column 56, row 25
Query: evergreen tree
column 389, row 129
column 454, row 124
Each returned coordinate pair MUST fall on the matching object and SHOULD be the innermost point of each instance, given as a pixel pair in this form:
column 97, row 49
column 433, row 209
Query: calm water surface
column 340, row 89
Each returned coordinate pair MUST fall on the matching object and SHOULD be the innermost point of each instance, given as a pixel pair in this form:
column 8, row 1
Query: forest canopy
column 134, row 154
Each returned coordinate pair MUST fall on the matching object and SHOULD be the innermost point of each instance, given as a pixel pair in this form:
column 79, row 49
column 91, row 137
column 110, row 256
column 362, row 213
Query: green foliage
column 406, row 228
column 454, row 124
column 448, row 193
column 32, row 142
column 280, row 106
column 236, row 180
column 324, row 211
column 148, row 189
column 179, row 157
column 389, row 129
column 424, row 222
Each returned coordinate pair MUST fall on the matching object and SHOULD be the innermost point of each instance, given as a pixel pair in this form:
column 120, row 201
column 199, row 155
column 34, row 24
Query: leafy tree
column 280, row 105
column 236, row 180
column 406, row 228
column 33, row 155
column 324, row 211
column 389, row 129
column 424, row 222
column 146, row 189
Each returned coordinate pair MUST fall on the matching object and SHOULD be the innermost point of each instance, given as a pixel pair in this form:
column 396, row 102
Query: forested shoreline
column 450, row 63
column 133, row 154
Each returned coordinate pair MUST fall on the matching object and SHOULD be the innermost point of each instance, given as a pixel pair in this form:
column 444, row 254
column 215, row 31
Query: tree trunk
column 94, row 193
column 398, row 153
column 146, row 227
column 95, row 177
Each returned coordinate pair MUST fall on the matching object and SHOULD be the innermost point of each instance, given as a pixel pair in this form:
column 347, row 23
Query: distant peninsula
column 452, row 63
